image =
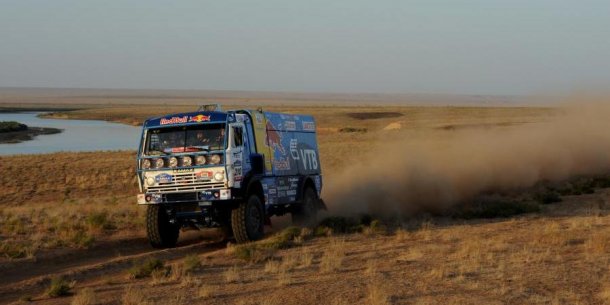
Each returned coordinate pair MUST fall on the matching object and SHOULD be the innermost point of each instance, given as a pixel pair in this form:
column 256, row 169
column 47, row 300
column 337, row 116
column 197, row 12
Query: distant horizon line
column 336, row 93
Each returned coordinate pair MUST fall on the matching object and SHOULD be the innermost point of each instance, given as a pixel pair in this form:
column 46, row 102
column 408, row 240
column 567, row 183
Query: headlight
column 214, row 159
column 146, row 163
column 173, row 162
column 150, row 181
column 200, row 160
column 219, row 176
column 187, row 161
column 159, row 163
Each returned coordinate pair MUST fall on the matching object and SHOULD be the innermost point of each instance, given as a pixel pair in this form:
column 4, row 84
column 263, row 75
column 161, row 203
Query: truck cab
column 232, row 170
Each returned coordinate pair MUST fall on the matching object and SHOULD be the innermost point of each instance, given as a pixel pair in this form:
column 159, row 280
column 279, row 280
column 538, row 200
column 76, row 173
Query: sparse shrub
column 134, row 296
column 146, row 268
column 547, row 197
column 578, row 186
column 272, row 266
column 205, row 291
column 340, row 224
column 401, row 235
column 332, row 259
column 322, row 231
column 191, row 263
column 82, row 239
column 26, row 298
column 305, row 259
column 99, row 221
column 283, row 278
column 232, row 275
column 375, row 227
column 377, row 295
column 495, row 206
column 264, row 249
column 15, row 251
column 289, row 262
column 84, row 297
column 602, row 181
column 371, row 268
column 252, row 252
column 59, row 287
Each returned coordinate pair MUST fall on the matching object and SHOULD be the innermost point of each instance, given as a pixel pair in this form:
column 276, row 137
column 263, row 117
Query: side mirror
column 258, row 164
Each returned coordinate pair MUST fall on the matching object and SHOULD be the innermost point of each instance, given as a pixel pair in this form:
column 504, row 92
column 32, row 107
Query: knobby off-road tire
column 248, row 220
column 306, row 215
column 161, row 233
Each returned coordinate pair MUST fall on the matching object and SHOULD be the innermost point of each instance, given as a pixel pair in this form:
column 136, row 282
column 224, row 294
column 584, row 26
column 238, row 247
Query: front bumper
column 184, row 197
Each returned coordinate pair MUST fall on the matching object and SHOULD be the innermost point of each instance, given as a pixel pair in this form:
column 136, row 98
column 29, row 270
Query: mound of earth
column 393, row 126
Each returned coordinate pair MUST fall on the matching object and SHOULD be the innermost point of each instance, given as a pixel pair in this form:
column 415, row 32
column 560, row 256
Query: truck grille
column 185, row 182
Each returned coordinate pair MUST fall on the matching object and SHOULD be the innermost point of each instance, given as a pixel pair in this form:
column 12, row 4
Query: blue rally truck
column 232, row 170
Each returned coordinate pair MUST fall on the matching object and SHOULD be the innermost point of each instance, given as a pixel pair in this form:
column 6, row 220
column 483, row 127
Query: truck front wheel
column 248, row 220
column 307, row 213
column 161, row 233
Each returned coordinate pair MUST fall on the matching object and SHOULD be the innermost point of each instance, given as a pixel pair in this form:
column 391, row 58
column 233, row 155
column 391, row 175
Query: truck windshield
column 203, row 137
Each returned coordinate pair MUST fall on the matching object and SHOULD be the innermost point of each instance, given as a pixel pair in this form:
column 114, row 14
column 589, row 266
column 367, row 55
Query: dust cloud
column 437, row 171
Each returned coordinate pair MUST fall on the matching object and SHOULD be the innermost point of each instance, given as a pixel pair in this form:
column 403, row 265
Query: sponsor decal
column 238, row 173
column 294, row 153
column 204, row 175
column 259, row 118
column 174, row 120
column 309, row 126
column 310, row 161
column 290, row 125
column 163, row 178
column 200, row 118
column 282, row 165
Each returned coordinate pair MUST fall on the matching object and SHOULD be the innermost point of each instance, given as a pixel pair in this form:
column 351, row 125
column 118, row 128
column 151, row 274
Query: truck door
column 235, row 154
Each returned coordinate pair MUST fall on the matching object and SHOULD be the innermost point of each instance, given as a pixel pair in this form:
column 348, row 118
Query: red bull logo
column 274, row 139
column 200, row 118
column 173, row 120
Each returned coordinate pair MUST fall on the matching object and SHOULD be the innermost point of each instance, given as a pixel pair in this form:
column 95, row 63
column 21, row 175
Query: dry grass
column 305, row 258
column 272, row 266
column 284, row 278
column 377, row 295
column 205, row 291
column 232, row 275
column 74, row 204
column 332, row 258
column 85, row 296
column 134, row 296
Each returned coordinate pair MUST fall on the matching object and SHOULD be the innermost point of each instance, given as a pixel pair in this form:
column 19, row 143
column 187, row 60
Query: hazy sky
column 451, row 46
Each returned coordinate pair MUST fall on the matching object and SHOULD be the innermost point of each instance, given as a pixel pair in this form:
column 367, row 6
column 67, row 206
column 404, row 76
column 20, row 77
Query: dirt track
column 31, row 277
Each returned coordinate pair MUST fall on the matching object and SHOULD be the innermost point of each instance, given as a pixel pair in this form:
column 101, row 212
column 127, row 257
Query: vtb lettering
column 308, row 156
